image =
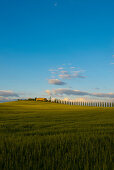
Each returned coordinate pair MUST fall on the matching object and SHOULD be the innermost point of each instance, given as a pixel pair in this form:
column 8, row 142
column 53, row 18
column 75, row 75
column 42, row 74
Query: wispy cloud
column 72, row 67
column 60, row 68
column 70, row 92
column 108, row 95
column 66, row 72
column 73, row 74
column 52, row 70
column 56, row 82
column 97, row 88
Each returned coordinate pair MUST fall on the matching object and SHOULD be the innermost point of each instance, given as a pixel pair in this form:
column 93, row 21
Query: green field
column 49, row 136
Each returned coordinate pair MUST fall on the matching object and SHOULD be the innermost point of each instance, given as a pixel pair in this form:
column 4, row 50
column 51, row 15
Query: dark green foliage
column 49, row 136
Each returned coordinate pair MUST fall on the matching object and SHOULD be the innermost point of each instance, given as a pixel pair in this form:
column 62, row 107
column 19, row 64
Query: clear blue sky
column 39, row 35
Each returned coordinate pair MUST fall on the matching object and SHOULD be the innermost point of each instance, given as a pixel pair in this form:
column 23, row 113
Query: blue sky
column 41, row 35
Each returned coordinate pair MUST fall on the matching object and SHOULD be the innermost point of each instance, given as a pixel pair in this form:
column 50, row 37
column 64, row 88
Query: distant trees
column 31, row 99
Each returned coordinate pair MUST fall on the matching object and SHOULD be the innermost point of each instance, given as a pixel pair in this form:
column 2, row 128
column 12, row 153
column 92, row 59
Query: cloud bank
column 6, row 96
column 70, row 92
column 7, row 93
column 6, row 99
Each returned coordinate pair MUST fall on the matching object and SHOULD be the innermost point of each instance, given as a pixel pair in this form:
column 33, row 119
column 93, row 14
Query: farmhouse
column 41, row 99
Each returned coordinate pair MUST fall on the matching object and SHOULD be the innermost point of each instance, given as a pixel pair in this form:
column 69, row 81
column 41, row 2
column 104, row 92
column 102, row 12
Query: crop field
column 50, row 136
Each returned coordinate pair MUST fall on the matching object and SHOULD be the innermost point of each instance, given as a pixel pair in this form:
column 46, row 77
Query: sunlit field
column 49, row 136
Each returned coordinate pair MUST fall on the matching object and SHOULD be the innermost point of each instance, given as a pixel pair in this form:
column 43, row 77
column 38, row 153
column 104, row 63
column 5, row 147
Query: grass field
column 49, row 136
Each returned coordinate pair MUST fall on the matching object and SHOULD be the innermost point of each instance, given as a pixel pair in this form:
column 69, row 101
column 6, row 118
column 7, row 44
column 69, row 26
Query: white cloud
column 56, row 82
column 48, row 92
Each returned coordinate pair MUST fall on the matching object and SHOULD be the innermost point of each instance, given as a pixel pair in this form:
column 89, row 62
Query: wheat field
column 50, row 136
